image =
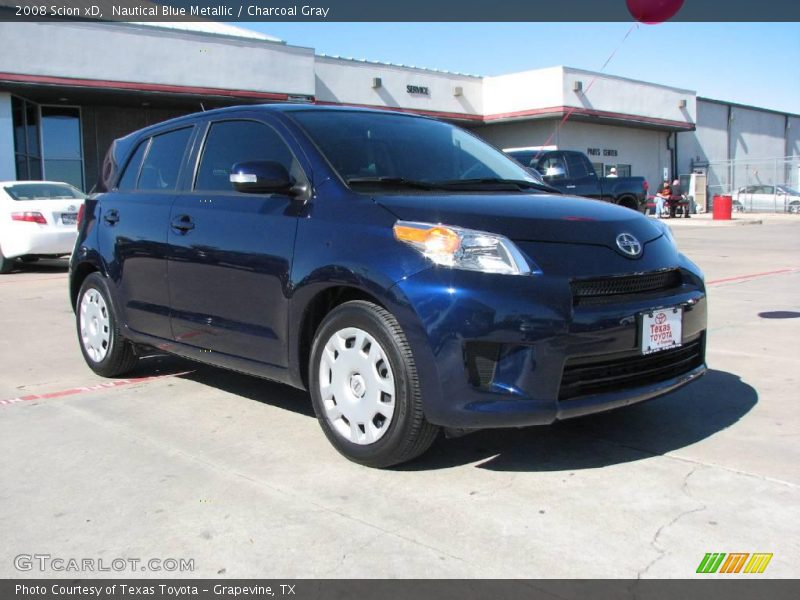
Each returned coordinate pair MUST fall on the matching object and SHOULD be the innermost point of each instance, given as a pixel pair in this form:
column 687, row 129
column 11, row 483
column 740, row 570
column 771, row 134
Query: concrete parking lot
column 189, row 462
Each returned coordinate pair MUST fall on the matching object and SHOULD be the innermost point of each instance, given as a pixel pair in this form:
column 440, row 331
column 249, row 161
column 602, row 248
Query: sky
column 749, row 63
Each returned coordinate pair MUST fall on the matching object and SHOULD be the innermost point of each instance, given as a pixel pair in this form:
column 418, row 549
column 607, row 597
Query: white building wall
column 519, row 134
column 757, row 134
column 8, row 168
column 709, row 142
column 541, row 88
column 644, row 149
column 611, row 94
column 141, row 54
column 350, row 82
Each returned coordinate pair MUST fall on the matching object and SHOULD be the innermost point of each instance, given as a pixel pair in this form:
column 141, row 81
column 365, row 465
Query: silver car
column 768, row 198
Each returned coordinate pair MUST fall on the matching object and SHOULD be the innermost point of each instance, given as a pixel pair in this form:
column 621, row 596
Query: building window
column 47, row 142
column 61, row 144
column 622, row 170
column 26, row 139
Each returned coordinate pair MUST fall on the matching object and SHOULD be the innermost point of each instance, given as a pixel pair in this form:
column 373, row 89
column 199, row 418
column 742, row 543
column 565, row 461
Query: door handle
column 111, row 217
column 182, row 223
column 571, row 187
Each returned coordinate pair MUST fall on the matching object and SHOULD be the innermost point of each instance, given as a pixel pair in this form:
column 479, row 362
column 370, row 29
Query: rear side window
column 230, row 142
column 128, row 179
column 163, row 161
column 43, row 191
column 577, row 167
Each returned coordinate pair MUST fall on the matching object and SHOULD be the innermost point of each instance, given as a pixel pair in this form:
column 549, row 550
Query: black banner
column 404, row 11
column 734, row 588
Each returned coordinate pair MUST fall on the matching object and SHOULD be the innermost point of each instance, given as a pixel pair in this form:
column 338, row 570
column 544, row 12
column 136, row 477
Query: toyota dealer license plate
column 69, row 218
column 661, row 329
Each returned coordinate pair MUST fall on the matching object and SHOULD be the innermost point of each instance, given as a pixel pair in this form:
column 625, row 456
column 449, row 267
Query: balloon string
column 572, row 109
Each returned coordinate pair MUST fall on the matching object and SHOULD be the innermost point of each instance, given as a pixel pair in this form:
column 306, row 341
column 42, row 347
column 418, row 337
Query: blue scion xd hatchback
column 407, row 274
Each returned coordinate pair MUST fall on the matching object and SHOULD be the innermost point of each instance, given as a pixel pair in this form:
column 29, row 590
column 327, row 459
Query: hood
column 527, row 217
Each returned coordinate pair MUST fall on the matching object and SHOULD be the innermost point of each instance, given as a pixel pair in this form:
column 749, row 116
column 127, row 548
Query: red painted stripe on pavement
column 106, row 385
column 751, row 276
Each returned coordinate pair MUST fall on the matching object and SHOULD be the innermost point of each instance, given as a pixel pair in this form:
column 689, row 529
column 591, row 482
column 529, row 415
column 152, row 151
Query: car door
column 231, row 252
column 132, row 231
column 584, row 180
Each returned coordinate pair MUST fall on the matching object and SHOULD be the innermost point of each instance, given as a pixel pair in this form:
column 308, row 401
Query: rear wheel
column 365, row 389
column 104, row 349
column 6, row 264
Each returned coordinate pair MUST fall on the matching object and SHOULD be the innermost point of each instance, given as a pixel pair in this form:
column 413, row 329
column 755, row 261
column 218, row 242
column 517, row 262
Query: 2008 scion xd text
column 407, row 274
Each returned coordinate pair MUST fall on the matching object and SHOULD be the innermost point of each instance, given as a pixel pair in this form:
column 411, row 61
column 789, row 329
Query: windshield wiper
column 391, row 182
column 519, row 184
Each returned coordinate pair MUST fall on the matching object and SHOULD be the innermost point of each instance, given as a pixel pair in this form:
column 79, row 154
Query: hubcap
column 356, row 385
column 94, row 325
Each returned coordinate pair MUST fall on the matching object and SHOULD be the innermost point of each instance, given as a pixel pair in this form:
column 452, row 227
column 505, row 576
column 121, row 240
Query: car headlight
column 461, row 248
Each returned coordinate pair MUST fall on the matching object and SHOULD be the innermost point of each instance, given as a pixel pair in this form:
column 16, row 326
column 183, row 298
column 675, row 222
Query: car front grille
column 597, row 375
column 614, row 289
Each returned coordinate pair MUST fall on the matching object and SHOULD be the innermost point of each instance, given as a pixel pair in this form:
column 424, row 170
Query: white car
column 37, row 218
column 772, row 198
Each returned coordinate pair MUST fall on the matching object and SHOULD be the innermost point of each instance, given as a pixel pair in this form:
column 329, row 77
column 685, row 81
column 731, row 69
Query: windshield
column 365, row 146
column 788, row 190
column 43, row 191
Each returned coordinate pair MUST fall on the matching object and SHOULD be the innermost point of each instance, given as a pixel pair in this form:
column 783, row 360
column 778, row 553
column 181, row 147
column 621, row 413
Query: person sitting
column 663, row 194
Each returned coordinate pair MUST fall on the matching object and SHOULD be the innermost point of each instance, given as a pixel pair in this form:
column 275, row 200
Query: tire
column 377, row 420
column 104, row 348
column 6, row 264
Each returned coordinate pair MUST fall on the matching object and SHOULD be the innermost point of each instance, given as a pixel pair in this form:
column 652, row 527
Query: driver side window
column 231, row 142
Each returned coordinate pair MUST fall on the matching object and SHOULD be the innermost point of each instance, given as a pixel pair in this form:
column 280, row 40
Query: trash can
column 723, row 207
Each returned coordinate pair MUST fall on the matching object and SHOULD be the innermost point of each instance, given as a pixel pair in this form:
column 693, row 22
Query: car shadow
column 696, row 412
column 253, row 388
column 43, row 265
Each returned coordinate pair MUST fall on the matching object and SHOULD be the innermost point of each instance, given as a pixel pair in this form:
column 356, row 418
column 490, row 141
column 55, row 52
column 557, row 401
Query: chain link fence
column 757, row 185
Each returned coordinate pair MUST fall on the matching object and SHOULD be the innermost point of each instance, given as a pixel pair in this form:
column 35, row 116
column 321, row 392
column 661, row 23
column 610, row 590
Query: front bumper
column 496, row 351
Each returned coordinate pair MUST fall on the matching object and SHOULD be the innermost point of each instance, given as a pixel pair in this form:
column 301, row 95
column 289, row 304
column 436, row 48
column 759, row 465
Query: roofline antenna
column 203, row 108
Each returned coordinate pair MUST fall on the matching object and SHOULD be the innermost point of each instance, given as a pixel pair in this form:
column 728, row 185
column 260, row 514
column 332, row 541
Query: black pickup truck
column 573, row 173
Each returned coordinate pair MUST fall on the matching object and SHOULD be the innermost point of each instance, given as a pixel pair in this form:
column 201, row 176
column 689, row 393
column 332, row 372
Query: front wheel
column 365, row 389
column 104, row 349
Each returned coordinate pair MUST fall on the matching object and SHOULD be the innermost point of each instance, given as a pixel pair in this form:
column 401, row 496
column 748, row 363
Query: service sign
column 661, row 330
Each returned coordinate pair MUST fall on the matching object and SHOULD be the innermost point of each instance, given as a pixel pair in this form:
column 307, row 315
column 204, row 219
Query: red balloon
column 653, row 11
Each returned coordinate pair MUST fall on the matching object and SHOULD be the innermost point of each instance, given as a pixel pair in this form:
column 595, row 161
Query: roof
column 211, row 28
column 389, row 64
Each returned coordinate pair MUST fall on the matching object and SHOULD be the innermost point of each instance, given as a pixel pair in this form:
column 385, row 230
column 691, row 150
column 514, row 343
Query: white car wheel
column 357, row 386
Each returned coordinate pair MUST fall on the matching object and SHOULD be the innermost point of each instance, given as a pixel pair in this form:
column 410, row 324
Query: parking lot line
column 106, row 385
column 752, row 276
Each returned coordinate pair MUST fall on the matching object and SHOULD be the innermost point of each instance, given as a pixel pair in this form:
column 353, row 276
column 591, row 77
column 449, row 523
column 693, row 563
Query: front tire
column 365, row 389
column 104, row 348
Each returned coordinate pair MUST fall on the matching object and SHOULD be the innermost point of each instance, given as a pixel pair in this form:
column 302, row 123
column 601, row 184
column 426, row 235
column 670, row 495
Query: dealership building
column 68, row 89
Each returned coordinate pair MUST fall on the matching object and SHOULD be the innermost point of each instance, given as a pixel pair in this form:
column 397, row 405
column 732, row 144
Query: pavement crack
column 654, row 542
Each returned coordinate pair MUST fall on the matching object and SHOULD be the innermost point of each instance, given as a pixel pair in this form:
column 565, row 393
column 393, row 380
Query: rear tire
column 104, row 348
column 6, row 264
column 365, row 389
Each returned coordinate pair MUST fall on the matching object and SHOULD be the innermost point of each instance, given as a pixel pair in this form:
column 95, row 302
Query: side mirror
column 261, row 177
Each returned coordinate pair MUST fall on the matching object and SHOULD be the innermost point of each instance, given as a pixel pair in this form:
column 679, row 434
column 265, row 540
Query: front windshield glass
column 373, row 146
column 788, row 190
column 43, row 191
